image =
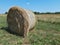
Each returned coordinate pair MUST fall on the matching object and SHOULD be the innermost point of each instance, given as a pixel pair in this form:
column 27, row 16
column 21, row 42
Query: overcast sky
column 34, row 5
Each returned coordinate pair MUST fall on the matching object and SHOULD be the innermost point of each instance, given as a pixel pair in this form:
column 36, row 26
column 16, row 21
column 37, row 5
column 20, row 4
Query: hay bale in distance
column 20, row 20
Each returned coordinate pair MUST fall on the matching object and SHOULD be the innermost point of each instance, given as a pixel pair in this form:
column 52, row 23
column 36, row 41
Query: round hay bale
column 20, row 20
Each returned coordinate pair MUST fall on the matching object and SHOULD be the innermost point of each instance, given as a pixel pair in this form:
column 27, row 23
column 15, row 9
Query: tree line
column 47, row 13
column 42, row 13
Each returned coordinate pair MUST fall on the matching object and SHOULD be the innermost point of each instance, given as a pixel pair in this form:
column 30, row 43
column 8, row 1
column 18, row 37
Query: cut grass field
column 46, row 32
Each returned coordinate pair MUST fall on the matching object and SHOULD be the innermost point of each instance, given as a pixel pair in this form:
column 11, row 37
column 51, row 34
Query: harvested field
column 45, row 32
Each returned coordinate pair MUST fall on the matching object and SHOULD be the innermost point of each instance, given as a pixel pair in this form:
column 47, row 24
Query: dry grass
column 45, row 33
column 20, row 21
column 3, row 14
column 49, row 17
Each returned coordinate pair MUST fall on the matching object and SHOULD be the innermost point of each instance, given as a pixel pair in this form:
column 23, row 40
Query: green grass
column 46, row 25
column 45, row 33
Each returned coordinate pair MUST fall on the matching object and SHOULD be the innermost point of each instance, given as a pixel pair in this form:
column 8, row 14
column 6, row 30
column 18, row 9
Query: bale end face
column 19, row 21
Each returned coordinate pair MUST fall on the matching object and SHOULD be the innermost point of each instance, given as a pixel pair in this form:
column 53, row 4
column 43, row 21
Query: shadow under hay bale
column 8, row 30
column 20, row 20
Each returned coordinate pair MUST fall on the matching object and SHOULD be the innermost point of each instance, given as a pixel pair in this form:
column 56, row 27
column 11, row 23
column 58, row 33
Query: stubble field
column 46, row 32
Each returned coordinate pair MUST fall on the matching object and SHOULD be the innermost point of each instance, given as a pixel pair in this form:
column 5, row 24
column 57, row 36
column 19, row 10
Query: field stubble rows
column 45, row 32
